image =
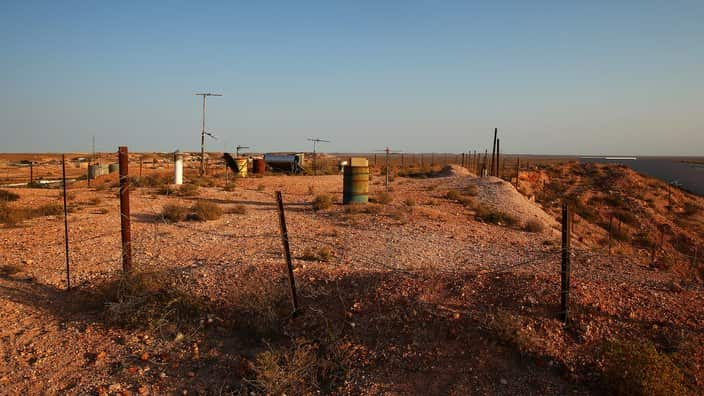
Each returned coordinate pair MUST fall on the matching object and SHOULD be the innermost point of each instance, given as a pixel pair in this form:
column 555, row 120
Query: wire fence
column 96, row 251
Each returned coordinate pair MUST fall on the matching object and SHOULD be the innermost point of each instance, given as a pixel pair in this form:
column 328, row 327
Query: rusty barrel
column 355, row 184
column 259, row 166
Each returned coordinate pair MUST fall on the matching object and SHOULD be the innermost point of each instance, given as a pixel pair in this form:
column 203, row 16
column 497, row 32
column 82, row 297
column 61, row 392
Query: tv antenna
column 388, row 152
column 203, row 132
column 238, row 148
column 316, row 141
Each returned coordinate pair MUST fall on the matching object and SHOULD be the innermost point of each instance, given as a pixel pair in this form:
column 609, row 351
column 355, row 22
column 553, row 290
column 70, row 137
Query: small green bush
column 322, row 202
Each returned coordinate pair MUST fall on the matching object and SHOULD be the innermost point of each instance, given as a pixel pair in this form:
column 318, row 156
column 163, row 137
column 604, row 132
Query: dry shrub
column 324, row 253
column 494, row 216
column 410, row 202
column 620, row 234
column 452, row 195
column 689, row 208
column 637, row 368
column 288, row 371
column 8, row 196
column 148, row 181
column 308, row 255
column 185, row 190
column 95, row 201
column 472, row 191
column 188, row 190
column 259, row 305
column 149, row 300
column 239, row 209
column 384, row 198
column 534, row 225
column 103, row 210
column 10, row 269
column 205, row 211
column 69, row 195
column 12, row 216
column 229, row 187
column 322, row 202
column 356, row 208
column 469, row 202
column 626, row 217
column 260, row 187
column 201, row 182
column 174, row 213
column 509, row 329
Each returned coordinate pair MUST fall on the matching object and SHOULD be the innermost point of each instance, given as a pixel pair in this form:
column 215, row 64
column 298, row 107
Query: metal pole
column 125, row 210
column 31, row 173
column 68, row 268
column 287, row 251
column 498, row 158
column 387, row 169
column 518, row 170
column 493, row 152
column 202, row 142
column 140, row 168
column 88, row 172
column 565, row 270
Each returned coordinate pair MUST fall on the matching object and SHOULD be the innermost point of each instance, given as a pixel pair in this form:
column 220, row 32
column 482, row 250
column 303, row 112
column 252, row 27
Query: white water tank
column 178, row 167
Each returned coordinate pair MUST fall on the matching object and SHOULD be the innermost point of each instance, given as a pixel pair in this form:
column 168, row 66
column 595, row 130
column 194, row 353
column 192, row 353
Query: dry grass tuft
column 8, row 196
column 174, row 213
column 13, row 216
column 288, row 371
column 534, row 225
column 10, row 269
column 322, row 202
column 148, row 300
column 637, row 368
column 239, row 209
column 384, row 198
column 205, row 211
column 494, row 216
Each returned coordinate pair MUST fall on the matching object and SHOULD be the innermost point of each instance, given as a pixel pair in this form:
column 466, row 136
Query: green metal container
column 355, row 184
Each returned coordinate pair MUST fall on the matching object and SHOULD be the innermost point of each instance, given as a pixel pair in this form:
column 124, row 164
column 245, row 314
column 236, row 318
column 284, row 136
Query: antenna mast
column 315, row 141
column 203, row 133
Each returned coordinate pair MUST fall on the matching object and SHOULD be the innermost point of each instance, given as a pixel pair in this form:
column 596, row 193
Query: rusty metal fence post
column 287, row 251
column 123, row 159
column 565, row 265
column 63, row 173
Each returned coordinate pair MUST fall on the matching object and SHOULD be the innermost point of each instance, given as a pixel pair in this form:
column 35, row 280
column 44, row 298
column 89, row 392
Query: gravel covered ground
column 416, row 295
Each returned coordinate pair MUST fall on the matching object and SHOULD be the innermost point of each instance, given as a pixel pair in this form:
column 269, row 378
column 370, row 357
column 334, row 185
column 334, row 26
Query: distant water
column 689, row 175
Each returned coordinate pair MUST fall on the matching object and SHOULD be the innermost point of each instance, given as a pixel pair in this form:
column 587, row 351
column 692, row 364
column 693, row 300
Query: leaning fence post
column 611, row 222
column 125, row 210
column 287, row 251
column 565, row 270
column 63, row 173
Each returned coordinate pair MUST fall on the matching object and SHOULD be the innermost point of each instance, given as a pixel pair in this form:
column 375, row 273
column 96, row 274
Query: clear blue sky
column 574, row 77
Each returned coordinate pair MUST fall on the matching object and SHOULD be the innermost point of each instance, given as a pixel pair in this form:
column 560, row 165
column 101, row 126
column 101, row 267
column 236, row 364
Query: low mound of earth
column 500, row 195
column 454, row 170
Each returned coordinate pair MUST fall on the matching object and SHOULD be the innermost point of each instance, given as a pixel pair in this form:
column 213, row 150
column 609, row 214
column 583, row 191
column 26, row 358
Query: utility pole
column 315, row 141
column 388, row 151
column 203, row 132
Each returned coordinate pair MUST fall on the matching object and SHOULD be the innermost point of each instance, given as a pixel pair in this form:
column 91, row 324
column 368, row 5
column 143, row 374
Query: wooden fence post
column 123, row 159
column 68, row 269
